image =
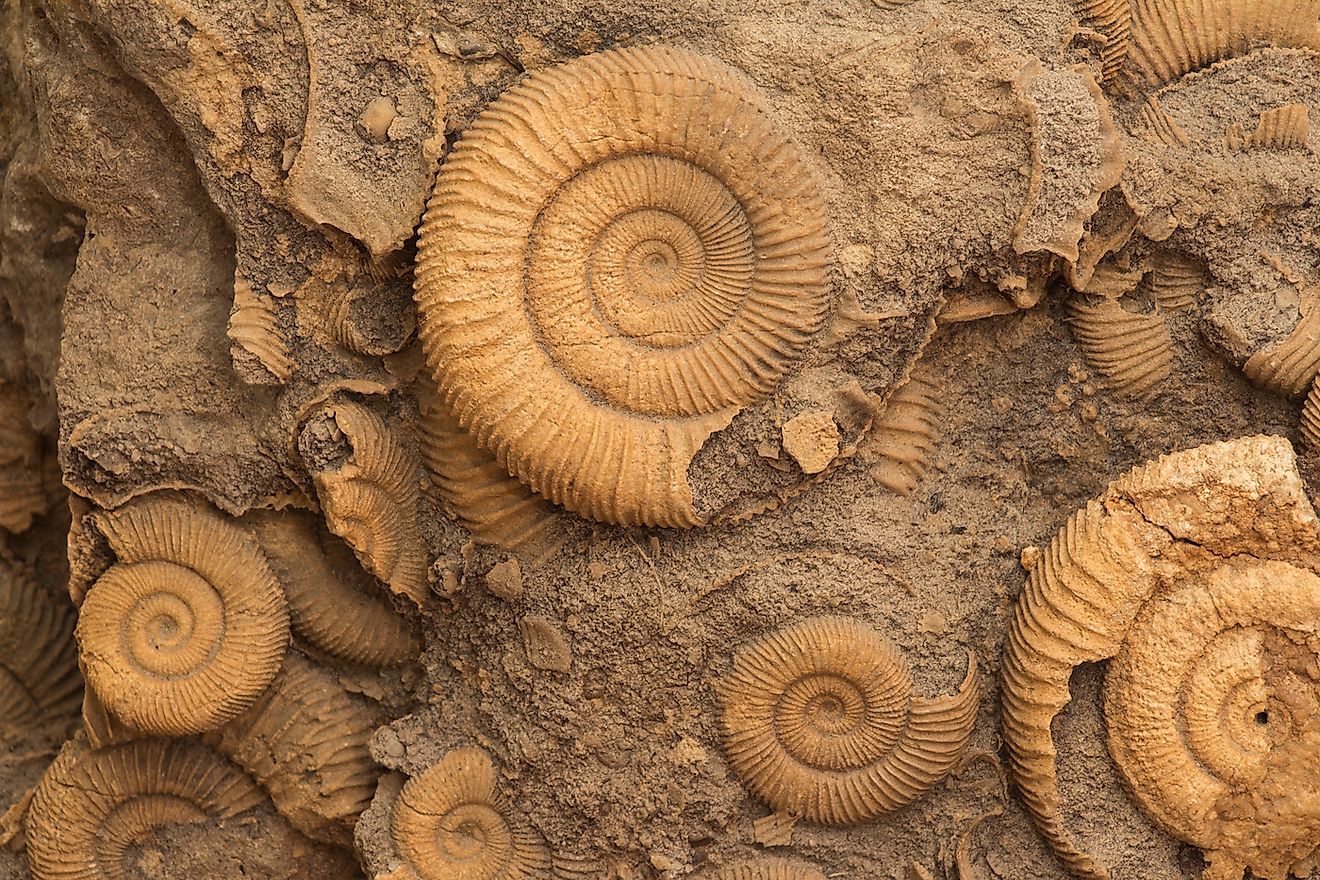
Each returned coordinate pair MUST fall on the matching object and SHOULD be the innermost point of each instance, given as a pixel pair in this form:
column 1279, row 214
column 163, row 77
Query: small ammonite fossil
column 91, row 806
column 1212, row 698
column 188, row 627
column 819, row 719
column 451, row 821
column 621, row 253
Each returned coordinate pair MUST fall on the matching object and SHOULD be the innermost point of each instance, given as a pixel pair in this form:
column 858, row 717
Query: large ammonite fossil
column 820, row 720
column 451, row 821
column 620, row 253
column 91, row 806
column 188, row 627
column 1212, row 699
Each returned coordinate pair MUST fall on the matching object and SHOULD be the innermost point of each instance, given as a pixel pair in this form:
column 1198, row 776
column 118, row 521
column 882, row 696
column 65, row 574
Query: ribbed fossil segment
column 91, row 806
column 1289, row 366
column 1160, row 125
column 1138, row 575
column 1112, row 19
column 765, row 869
column 451, row 821
column 370, row 499
column 1176, row 281
column 1310, row 424
column 188, row 627
column 333, row 604
column 902, row 443
column 22, row 495
column 1283, row 128
column 820, row 720
column 305, row 742
column 39, row 682
column 495, row 507
column 1133, row 352
column 621, row 252
column 254, row 328
column 1174, row 37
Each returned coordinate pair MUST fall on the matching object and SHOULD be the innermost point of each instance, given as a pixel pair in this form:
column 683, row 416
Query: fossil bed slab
column 1033, row 244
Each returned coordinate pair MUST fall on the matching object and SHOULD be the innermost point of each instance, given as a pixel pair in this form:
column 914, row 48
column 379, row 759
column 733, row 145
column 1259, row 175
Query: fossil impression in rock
column 451, row 821
column 1283, row 128
column 765, row 869
column 902, row 443
column 22, row 495
column 254, row 328
column 333, row 604
column 305, row 742
column 188, row 626
column 1133, row 352
column 1161, row 125
column 495, row 507
column 1112, row 20
column 1175, row 281
column 820, row 720
column 1211, row 694
column 91, row 806
column 1289, row 366
column 40, row 688
column 370, row 498
column 621, row 252
column 1310, row 424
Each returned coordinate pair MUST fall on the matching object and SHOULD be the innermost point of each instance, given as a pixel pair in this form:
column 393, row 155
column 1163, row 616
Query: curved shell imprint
column 22, row 495
column 188, row 627
column 1134, row 353
column 1090, row 598
column 92, row 806
column 1289, row 366
column 39, row 680
column 452, row 822
column 819, row 719
column 902, row 443
column 621, row 252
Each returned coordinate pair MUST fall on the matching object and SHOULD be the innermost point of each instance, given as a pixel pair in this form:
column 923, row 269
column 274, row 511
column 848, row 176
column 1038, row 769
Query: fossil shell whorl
column 1309, row 429
column 450, row 822
column 305, row 742
column 91, row 806
column 370, row 498
column 333, row 603
column 1112, row 19
column 1282, row 128
column 902, row 443
column 39, row 680
column 188, row 627
column 22, row 495
column 819, row 719
column 254, row 331
column 1091, row 582
column 496, row 508
column 621, row 252
column 1175, row 281
column 769, row 868
column 1196, row 705
column 1133, row 352
column 1288, row 367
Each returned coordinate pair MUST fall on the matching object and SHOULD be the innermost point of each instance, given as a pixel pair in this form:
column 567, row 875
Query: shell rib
column 1082, row 598
column 92, row 806
column 188, row 627
column 1283, row 128
column 305, row 742
column 621, row 252
column 254, row 328
column 1113, row 20
column 819, row 720
column 1310, row 424
column 1134, row 353
column 765, row 869
column 1173, row 37
column 496, row 508
column 904, row 438
column 22, row 495
column 451, row 822
column 333, row 603
column 1161, row 125
column 1290, row 366
column 370, row 499
column 40, row 687
column 1175, row 281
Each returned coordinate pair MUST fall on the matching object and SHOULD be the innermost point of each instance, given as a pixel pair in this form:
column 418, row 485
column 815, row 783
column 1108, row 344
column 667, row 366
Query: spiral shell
column 902, row 443
column 1134, row 353
column 765, row 869
column 1288, row 367
column 1283, row 128
column 188, row 627
column 1173, row 37
column 1099, row 572
column 22, row 495
column 305, row 742
column 1199, row 708
column 819, row 719
column 333, row 603
column 497, row 509
column 92, row 806
column 450, row 822
column 370, row 499
column 39, row 682
column 621, row 252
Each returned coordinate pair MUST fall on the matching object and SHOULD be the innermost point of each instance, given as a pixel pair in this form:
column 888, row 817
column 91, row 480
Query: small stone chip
column 812, row 439
column 377, row 117
column 775, row 829
column 545, row 644
column 505, row 580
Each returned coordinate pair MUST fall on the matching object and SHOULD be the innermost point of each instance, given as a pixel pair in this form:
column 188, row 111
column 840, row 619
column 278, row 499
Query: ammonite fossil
column 39, row 682
column 1212, row 698
column 452, row 822
column 769, row 868
column 819, row 719
column 91, row 806
column 621, row 252
column 188, row 627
